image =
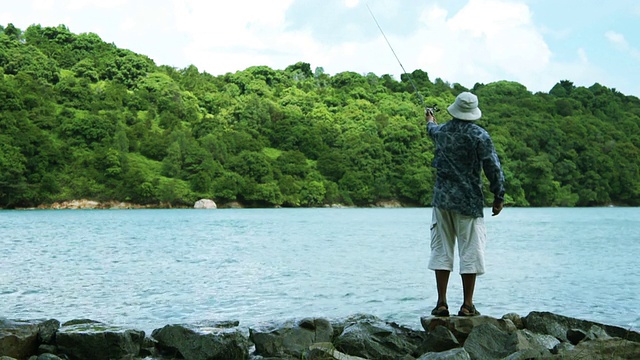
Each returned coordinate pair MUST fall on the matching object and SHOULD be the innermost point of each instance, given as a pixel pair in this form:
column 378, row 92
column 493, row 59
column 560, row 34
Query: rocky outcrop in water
column 539, row 335
column 205, row 204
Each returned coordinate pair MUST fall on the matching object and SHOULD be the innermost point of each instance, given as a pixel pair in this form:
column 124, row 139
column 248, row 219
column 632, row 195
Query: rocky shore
column 85, row 204
column 538, row 335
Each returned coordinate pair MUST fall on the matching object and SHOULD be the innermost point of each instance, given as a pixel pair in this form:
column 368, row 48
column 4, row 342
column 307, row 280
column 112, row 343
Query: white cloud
column 351, row 3
column 42, row 5
column 617, row 39
column 128, row 24
column 102, row 4
column 485, row 41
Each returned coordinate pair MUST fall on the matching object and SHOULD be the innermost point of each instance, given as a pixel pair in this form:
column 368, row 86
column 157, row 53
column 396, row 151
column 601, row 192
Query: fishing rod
column 415, row 88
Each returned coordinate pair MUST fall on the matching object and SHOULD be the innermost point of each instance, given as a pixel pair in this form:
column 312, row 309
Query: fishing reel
column 431, row 110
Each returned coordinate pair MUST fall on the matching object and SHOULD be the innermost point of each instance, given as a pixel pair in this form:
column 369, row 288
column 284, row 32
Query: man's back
column 463, row 149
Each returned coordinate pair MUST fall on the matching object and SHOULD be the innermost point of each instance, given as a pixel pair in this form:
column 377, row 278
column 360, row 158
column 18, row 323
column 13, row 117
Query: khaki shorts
column 470, row 232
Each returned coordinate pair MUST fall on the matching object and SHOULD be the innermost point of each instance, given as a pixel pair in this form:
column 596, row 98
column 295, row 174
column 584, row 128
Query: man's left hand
column 497, row 207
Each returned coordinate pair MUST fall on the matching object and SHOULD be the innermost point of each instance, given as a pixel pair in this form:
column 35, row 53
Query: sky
column 534, row 42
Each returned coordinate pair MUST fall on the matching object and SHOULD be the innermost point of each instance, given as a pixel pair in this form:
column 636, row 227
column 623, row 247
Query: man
column 463, row 151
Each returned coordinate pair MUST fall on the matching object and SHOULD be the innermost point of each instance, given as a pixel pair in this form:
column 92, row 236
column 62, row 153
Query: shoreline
column 538, row 335
column 86, row 204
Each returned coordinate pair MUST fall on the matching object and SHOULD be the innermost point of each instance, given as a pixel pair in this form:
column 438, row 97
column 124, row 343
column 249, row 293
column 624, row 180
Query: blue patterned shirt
column 463, row 150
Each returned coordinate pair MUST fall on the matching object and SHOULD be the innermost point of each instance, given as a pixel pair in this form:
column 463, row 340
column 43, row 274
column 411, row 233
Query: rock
column 595, row 333
column 205, row 341
column 438, row 340
column 375, row 339
column 487, row 341
column 48, row 357
column 574, row 336
column 515, row 319
column 562, row 347
column 205, row 204
column 326, row 351
column 558, row 325
column 602, row 349
column 389, row 204
column 453, row 354
column 87, row 339
column 461, row 326
column 536, row 341
column 529, row 354
column 292, row 338
column 233, row 205
column 21, row 338
column 47, row 349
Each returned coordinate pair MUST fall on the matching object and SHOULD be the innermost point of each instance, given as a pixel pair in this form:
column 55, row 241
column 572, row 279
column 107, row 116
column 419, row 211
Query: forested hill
column 81, row 118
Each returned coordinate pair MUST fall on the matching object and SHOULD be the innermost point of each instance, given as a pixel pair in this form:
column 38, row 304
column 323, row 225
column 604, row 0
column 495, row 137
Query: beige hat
column 465, row 107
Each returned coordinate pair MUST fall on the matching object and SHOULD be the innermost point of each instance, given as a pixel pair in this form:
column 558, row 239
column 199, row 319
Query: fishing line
column 394, row 54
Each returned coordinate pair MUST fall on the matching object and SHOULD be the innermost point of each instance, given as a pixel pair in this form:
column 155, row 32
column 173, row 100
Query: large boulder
column 602, row 349
column 453, row 354
column 487, row 341
column 205, row 204
column 292, row 338
column 372, row 338
column 438, row 340
column 461, row 326
column 204, row 341
column 558, row 326
column 326, row 351
column 21, row 338
column 87, row 339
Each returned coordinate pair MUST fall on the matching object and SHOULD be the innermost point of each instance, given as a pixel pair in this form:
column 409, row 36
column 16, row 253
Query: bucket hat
column 465, row 107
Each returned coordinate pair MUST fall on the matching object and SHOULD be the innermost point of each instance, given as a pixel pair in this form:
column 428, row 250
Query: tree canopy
column 81, row 118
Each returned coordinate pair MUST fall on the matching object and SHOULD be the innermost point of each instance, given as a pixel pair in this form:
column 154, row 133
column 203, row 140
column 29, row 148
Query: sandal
column 440, row 312
column 471, row 310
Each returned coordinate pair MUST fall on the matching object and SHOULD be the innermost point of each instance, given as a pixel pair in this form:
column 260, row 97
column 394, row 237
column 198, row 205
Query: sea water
column 144, row 269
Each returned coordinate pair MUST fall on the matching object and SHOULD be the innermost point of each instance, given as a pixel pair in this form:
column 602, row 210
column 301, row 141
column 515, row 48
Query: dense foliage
column 81, row 118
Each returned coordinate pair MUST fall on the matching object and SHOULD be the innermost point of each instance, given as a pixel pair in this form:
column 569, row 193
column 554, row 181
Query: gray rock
column 603, row 349
column 453, row 354
column 515, row 319
column 574, row 336
column 21, row 338
column 291, row 338
column 529, row 354
column 596, row 333
column 536, row 341
column 461, row 326
column 376, row 339
column 438, row 340
column 47, row 349
column 205, row 341
column 558, row 325
column 87, row 339
column 487, row 341
column 562, row 347
column 48, row 357
column 326, row 351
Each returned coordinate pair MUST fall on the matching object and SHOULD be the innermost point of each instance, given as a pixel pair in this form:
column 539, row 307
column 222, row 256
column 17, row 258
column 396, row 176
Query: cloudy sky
column 534, row 42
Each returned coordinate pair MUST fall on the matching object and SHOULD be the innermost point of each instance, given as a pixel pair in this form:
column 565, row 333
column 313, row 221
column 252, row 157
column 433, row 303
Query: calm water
column 148, row 268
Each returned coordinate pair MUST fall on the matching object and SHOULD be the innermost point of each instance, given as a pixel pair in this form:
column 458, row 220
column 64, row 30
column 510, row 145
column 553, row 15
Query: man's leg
column 468, row 287
column 442, row 280
column 471, row 245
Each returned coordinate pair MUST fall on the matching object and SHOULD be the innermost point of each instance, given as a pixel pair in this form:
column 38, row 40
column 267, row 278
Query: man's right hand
column 497, row 207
